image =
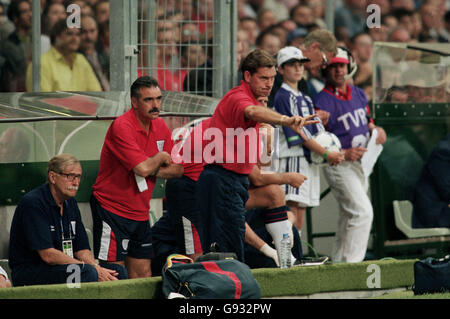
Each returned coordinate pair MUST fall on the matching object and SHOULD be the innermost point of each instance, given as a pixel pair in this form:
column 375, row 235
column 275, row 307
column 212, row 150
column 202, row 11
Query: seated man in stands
column 48, row 241
column 62, row 67
column 432, row 194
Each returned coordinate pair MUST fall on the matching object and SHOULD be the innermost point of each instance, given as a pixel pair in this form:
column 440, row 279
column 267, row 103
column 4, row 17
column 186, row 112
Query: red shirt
column 126, row 145
column 193, row 162
column 234, row 141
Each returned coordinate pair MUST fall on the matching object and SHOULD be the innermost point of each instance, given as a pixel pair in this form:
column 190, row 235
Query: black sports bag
column 224, row 279
column 432, row 275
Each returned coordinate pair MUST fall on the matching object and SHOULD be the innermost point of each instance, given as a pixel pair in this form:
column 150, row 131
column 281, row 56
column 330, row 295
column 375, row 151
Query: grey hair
column 58, row 162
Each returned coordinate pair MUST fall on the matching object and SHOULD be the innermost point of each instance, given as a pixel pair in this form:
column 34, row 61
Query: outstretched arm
column 266, row 115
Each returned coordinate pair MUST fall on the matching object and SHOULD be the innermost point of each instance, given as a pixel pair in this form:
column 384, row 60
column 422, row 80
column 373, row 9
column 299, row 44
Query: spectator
column 6, row 26
column 199, row 78
column 390, row 21
column 242, row 44
column 278, row 7
column 85, row 8
column 48, row 237
column 379, row 34
column 53, row 12
column 417, row 25
column 268, row 41
column 296, row 37
column 189, row 33
column 203, row 14
column 251, row 27
column 14, row 146
column 347, row 181
column 4, row 281
column 103, row 37
column 318, row 11
column 430, row 20
column 169, row 73
column 403, row 4
column 97, row 58
column 351, row 16
column 266, row 18
column 399, row 34
column 405, row 20
column 136, row 151
column 244, row 9
column 288, row 25
column 384, row 5
column 295, row 148
column 224, row 185
column 16, row 49
column 445, row 33
column 186, row 8
column 362, row 46
column 101, row 11
column 432, row 194
column 62, row 68
column 302, row 15
column 397, row 94
column 92, row 3
column 280, row 31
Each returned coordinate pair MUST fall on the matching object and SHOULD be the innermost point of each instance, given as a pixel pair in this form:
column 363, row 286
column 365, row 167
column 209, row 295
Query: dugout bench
column 36, row 126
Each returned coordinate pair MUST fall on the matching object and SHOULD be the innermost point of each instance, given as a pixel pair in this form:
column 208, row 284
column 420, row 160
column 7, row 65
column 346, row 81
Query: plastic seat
column 403, row 219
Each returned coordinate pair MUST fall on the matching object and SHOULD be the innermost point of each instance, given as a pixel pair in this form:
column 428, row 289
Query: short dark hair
column 13, row 9
column 258, row 58
column 142, row 82
column 58, row 29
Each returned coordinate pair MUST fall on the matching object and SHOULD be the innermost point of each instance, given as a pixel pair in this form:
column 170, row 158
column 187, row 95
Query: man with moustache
column 62, row 67
column 136, row 151
column 47, row 239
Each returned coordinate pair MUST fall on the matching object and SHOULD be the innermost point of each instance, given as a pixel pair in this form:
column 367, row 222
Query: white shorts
column 308, row 194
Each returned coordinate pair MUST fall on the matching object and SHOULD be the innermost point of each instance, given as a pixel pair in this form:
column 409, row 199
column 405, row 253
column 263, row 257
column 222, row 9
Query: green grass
column 409, row 294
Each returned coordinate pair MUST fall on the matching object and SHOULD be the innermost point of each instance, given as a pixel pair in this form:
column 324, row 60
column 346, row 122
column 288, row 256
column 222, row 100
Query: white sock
column 276, row 230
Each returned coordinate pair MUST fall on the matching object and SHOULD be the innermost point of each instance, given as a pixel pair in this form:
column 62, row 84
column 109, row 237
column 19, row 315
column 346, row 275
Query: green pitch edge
column 296, row 281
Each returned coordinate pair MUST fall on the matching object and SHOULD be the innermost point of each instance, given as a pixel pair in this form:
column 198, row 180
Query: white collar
column 290, row 89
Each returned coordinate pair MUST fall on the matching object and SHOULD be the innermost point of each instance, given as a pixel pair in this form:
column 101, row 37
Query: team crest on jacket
column 160, row 145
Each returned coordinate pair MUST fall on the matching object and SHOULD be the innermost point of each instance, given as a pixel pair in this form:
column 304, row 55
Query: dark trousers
column 43, row 274
column 221, row 196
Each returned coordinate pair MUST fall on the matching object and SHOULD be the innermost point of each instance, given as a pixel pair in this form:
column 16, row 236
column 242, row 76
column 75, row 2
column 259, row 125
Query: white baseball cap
column 341, row 57
column 290, row 53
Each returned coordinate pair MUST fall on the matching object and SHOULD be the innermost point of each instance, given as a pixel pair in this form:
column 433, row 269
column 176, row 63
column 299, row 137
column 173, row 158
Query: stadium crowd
column 184, row 32
column 78, row 60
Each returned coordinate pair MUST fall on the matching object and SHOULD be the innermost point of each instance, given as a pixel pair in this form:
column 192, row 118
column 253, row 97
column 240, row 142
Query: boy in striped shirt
column 295, row 148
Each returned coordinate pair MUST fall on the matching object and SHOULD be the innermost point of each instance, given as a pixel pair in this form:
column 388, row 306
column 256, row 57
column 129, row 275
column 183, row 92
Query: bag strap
column 177, row 259
column 212, row 266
